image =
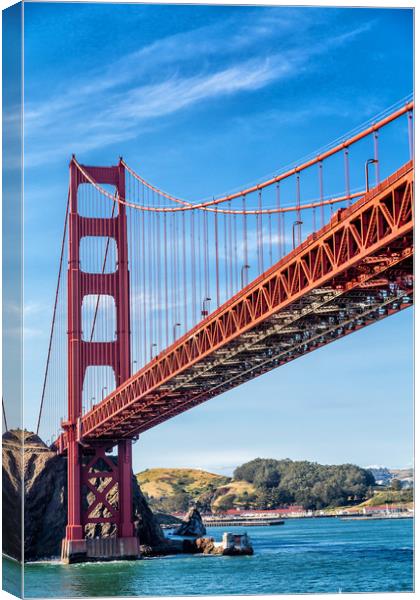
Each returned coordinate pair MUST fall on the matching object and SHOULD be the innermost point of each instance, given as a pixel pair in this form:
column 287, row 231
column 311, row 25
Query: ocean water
column 302, row 556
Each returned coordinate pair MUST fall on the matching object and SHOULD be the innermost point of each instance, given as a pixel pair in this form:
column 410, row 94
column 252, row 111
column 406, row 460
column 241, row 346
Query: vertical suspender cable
column 216, row 245
column 235, row 246
column 200, row 265
column 280, row 240
column 321, row 192
column 230, row 251
column 150, row 273
column 226, row 255
column 245, row 265
column 178, row 271
column 165, row 259
column 298, row 211
column 260, row 234
column 174, row 278
column 206, row 255
column 144, row 292
column 410, row 133
column 157, row 279
column 193, row 273
column 347, row 174
column 376, row 155
column 184, row 271
column 257, row 234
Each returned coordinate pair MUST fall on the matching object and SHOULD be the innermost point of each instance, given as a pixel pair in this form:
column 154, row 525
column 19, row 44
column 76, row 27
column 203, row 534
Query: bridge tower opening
column 92, row 473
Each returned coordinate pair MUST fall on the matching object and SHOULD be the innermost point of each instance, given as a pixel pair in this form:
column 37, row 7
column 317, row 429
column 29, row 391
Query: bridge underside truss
column 355, row 271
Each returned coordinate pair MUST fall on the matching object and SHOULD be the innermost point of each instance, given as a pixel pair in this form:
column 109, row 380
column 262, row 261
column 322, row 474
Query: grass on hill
column 238, row 489
column 390, row 497
column 403, row 497
column 168, row 489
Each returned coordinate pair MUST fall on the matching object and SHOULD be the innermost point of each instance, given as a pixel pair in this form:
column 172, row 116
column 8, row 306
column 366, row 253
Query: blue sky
column 200, row 100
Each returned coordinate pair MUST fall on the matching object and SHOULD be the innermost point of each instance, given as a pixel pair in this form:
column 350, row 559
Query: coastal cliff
column 45, row 502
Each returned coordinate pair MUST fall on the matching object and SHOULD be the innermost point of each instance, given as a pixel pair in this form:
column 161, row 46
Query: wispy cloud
column 132, row 95
column 128, row 114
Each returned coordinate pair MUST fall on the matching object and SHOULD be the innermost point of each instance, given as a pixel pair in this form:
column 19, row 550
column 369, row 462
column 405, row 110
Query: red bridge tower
column 90, row 470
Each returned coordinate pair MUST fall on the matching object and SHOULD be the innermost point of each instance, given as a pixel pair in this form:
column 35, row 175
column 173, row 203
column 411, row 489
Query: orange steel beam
column 356, row 252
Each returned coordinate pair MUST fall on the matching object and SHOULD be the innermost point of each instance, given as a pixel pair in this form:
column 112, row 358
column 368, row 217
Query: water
column 303, row 556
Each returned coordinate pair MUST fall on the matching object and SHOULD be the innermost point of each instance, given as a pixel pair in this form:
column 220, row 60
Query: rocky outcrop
column 43, row 476
column 12, row 492
column 231, row 545
column 192, row 525
column 45, row 499
column 207, row 545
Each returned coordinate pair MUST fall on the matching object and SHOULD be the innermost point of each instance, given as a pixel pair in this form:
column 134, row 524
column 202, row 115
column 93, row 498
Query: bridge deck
column 354, row 271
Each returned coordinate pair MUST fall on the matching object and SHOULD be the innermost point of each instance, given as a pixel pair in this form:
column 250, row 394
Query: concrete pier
column 100, row 549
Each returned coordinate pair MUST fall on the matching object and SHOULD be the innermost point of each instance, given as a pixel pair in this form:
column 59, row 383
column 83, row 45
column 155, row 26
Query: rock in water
column 45, row 490
column 231, row 545
column 208, row 546
column 192, row 525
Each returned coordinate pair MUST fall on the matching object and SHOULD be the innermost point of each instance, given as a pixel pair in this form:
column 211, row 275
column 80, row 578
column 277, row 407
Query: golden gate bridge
column 162, row 303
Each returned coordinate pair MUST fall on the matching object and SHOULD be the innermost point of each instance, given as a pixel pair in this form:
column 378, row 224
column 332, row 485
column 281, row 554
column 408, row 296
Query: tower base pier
column 100, row 549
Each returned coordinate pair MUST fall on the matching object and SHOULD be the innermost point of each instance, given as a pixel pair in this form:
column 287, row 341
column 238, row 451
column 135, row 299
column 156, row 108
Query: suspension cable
column 166, row 209
column 372, row 129
column 44, row 385
column 290, row 172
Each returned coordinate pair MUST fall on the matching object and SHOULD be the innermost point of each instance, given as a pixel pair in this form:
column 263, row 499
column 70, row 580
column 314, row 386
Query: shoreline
column 56, row 559
column 251, row 523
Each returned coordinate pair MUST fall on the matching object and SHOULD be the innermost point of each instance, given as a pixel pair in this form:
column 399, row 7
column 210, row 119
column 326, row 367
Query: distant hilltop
column 384, row 476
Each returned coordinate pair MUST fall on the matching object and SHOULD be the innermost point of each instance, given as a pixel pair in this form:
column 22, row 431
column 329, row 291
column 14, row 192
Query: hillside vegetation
column 259, row 484
column 390, row 497
column 174, row 490
column 308, row 484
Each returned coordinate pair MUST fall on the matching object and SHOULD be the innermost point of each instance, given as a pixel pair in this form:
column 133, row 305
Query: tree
column 396, row 485
column 267, row 477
